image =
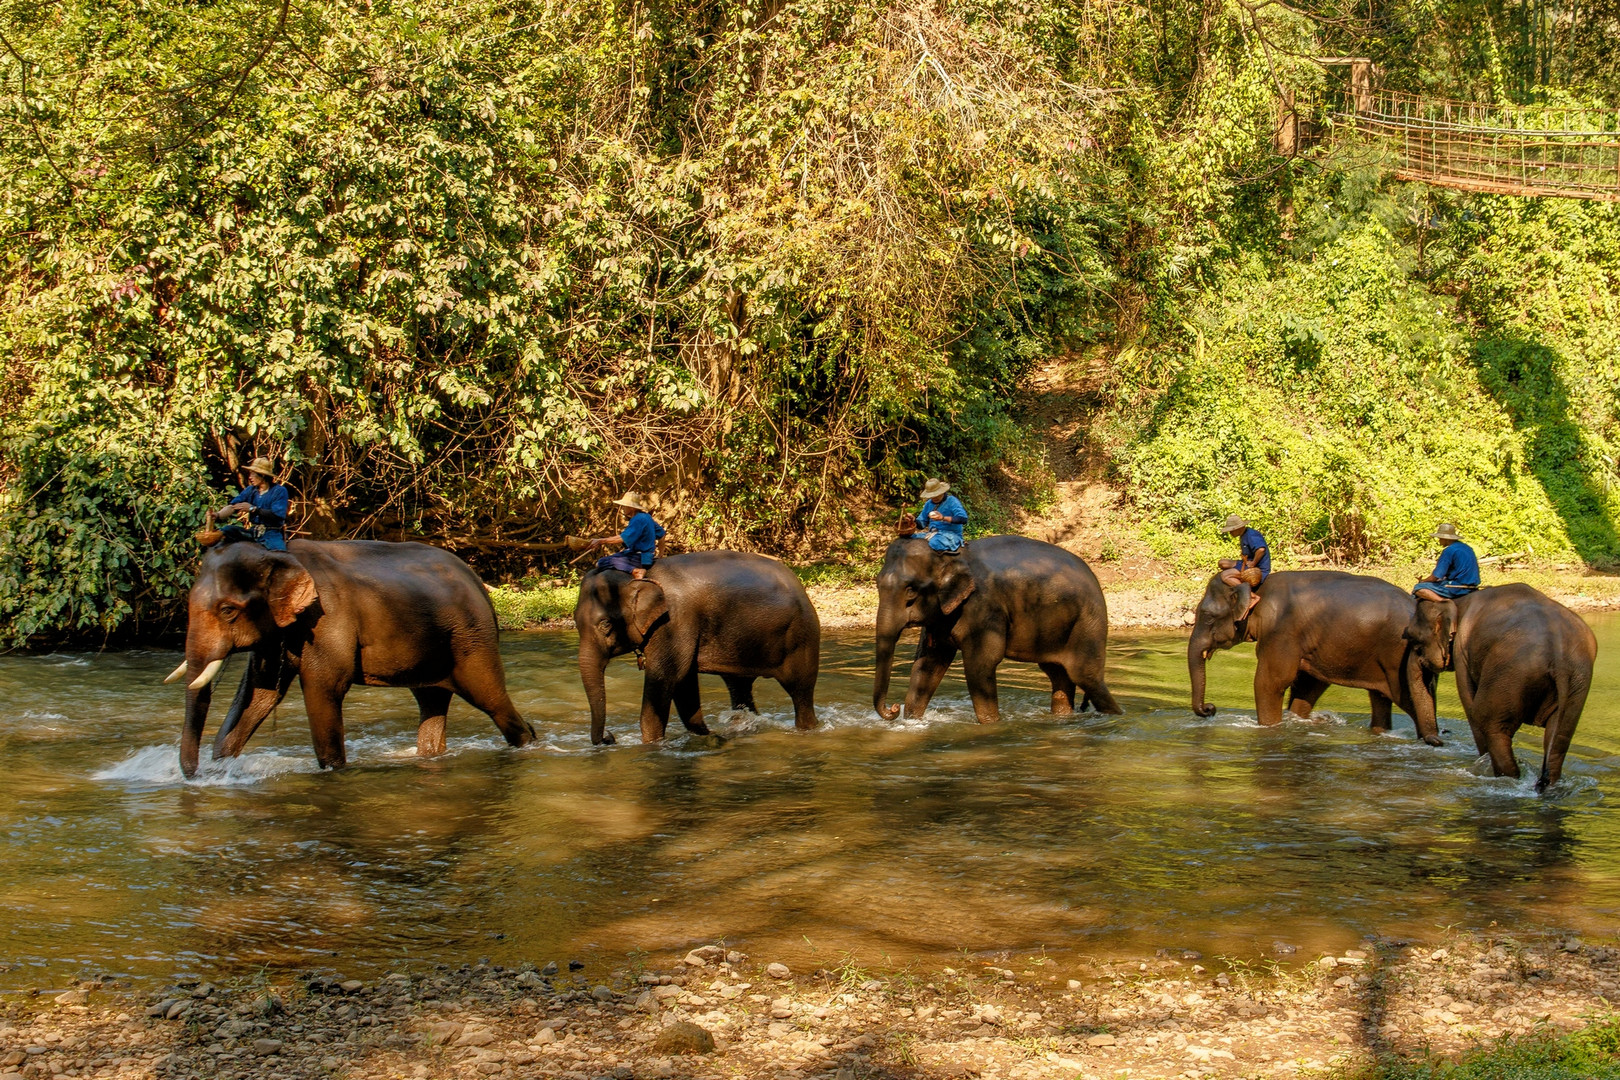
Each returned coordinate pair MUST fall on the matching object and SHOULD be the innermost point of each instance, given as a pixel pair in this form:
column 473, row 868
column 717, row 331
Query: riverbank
column 723, row 1014
column 1141, row 595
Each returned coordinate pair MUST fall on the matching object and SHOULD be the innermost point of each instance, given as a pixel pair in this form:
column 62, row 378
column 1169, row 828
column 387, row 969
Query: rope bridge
column 1566, row 151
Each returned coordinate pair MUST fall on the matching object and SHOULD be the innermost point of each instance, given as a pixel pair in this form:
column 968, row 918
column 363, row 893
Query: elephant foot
column 1433, row 740
column 1205, row 711
column 430, row 737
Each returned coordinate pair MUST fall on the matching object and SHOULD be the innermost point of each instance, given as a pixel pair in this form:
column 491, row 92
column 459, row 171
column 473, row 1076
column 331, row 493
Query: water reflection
column 912, row 840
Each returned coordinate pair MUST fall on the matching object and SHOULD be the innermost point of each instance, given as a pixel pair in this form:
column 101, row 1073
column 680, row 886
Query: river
column 883, row 843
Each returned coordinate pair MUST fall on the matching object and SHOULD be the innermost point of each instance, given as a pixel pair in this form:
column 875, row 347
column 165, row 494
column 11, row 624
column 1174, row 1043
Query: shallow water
column 887, row 842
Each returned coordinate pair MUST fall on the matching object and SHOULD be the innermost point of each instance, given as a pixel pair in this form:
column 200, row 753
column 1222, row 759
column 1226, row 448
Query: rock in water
column 683, row 1038
column 72, row 997
column 549, row 969
column 778, row 971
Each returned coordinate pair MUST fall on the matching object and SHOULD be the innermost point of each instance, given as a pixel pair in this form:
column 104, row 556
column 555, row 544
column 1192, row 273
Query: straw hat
column 1446, row 531
column 630, row 501
column 1235, row 524
column 934, row 489
column 262, row 466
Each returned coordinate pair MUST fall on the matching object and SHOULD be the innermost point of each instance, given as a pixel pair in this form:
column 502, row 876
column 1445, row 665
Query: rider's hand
column 935, row 515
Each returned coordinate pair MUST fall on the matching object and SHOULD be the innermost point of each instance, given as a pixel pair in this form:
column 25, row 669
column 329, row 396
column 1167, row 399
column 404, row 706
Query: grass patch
column 836, row 574
column 1593, row 1053
column 528, row 608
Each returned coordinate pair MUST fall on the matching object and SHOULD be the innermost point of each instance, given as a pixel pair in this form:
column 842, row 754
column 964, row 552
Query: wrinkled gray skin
column 1000, row 598
column 725, row 613
column 1521, row 658
column 334, row 614
column 1314, row 629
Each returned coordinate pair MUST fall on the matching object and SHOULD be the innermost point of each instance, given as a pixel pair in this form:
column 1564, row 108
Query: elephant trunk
column 889, row 626
column 593, row 673
column 1198, row 650
column 263, row 685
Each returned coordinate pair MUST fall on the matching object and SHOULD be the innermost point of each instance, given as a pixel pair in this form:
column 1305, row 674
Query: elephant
column 333, row 614
column 1000, row 597
column 727, row 613
column 1520, row 658
column 1313, row 629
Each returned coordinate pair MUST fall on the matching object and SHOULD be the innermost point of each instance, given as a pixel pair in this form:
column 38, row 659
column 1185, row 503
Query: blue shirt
column 950, row 506
column 1251, row 541
column 269, row 507
column 1458, row 565
column 641, row 536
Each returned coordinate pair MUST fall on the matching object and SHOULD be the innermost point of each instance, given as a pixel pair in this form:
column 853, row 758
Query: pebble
column 545, row 1036
column 602, row 993
column 550, row 969
column 266, row 1047
column 683, row 1037
column 778, row 971
column 353, row 986
column 1102, row 1040
column 476, row 1036
column 72, row 997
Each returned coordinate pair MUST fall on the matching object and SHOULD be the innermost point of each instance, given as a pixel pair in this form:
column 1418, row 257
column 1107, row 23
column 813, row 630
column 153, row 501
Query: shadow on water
column 889, row 842
column 1527, row 378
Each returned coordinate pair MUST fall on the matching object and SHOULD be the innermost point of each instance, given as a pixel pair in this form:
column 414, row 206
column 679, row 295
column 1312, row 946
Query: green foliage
column 1344, row 402
column 1592, row 1053
column 464, row 265
column 526, row 608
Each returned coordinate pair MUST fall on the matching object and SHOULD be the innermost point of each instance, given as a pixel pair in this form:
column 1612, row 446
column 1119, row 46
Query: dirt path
column 726, row 1015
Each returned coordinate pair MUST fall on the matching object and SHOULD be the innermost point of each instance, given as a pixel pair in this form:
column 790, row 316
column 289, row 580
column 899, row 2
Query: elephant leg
column 742, row 692
column 1062, row 689
column 324, row 705
column 656, row 696
column 482, row 684
column 804, row 704
column 1383, row 711
column 1274, row 673
column 689, row 705
column 935, row 652
column 979, row 662
column 1304, row 693
column 1499, row 744
column 1560, row 730
column 433, row 702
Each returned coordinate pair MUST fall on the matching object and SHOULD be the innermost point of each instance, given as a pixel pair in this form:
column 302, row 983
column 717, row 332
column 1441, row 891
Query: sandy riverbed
column 725, row 1015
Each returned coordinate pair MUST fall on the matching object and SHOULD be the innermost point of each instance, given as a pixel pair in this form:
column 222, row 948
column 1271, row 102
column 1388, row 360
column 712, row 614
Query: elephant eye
column 605, row 627
column 911, row 595
column 229, row 611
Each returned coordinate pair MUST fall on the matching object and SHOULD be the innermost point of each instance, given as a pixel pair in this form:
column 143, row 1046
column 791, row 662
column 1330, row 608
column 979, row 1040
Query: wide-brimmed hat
column 630, row 501
column 934, row 489
column 262, row 466
column 1234, row 523
column 1446, row 531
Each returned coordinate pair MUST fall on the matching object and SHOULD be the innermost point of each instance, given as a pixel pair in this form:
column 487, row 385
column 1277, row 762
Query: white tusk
column 210, row 673
column 174, row 676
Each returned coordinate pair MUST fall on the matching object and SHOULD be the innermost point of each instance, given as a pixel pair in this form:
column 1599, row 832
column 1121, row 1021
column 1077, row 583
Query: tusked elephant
column 1521, row 658
column 334, row 614
column 725, row 613
column 999, row 598
column 1313, row 629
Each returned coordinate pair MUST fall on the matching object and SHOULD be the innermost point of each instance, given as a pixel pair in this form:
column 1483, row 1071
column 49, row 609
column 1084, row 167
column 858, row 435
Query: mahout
column 999, row 598
column 727, row 613
column 1520, row 658
column 1313, row 629
column 333, row 614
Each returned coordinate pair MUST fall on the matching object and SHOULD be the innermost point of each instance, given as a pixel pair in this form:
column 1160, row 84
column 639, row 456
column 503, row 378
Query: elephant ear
column 956, row 585
column 290, row 590
column 647, row 604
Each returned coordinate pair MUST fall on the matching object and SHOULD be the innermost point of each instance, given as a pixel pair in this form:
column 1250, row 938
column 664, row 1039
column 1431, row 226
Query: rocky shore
column 721, row 1014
